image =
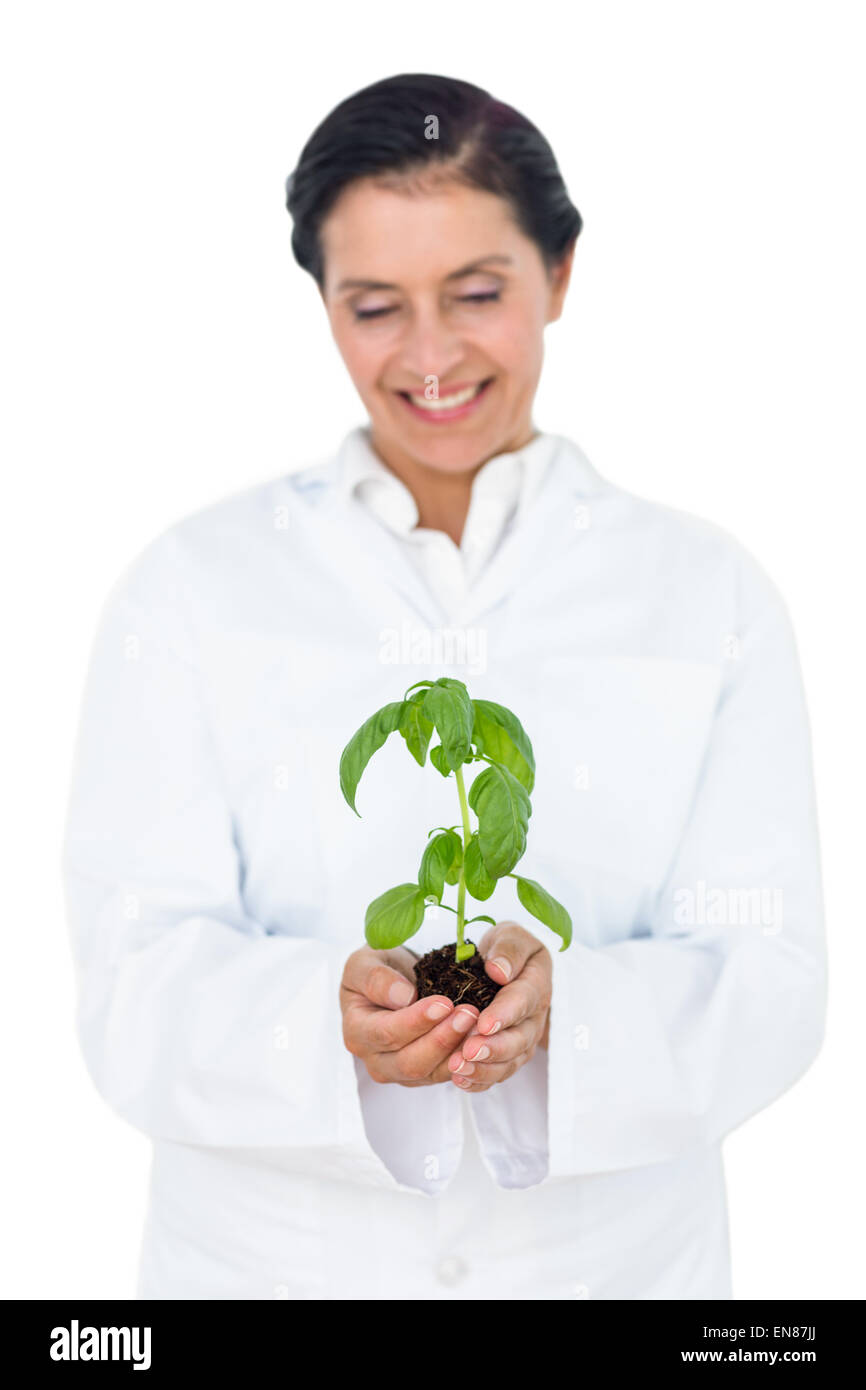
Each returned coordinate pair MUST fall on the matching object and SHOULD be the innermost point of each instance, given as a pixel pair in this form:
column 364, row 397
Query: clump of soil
column 463, row 982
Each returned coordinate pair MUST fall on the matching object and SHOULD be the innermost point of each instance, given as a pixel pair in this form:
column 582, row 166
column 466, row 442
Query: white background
column 161, row 349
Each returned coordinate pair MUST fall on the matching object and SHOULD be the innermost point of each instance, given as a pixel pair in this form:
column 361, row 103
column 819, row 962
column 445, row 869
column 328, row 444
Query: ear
column 560, row 278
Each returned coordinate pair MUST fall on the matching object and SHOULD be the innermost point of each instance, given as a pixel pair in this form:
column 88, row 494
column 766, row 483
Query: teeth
column 447, row 402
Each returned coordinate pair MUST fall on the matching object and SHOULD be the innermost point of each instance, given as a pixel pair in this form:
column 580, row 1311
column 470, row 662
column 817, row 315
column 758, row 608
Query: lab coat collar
column 556, row 480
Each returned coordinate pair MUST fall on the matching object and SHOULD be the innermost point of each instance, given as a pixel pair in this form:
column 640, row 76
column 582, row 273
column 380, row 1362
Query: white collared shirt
column 216, row 882
column 502, row 491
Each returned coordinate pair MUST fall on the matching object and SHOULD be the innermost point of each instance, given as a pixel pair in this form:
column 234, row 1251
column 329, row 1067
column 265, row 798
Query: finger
column 418, row 1061
column 490, row 1074
column 527, row 995
column 378, row 977
column 506, row 948
column 441, row 1073
column 367, row 1028
column 503, row 1046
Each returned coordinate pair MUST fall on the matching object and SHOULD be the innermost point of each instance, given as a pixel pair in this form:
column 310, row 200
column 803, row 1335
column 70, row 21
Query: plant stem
column 467, row 836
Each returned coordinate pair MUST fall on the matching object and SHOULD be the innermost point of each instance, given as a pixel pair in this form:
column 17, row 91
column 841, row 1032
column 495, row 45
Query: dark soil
column 465, row 983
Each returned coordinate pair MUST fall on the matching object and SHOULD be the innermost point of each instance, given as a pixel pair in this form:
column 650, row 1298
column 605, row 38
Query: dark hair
column 385, row 129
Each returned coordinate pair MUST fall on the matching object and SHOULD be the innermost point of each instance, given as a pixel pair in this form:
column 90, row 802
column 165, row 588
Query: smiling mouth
column 450, row 406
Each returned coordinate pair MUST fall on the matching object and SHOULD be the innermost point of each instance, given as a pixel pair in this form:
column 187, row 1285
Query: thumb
column 373, row 974
column 506, row 949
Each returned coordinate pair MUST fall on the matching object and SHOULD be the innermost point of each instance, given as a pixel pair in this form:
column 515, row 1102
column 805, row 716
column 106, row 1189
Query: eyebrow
column 455, row 275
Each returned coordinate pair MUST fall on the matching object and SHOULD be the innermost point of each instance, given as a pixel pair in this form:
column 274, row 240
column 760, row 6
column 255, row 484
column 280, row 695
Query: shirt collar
column 505, row 485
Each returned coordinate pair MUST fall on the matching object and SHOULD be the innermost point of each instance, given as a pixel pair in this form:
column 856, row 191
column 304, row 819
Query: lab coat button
column 451, row 1270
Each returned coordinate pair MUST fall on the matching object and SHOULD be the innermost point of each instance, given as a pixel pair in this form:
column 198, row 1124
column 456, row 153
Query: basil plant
column 473, row 860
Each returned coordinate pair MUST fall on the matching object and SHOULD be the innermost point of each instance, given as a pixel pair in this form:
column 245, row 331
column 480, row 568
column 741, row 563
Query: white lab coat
column 216, row 882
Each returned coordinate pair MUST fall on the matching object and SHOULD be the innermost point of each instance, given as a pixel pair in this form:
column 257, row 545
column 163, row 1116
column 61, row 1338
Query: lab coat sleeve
column 197, row 1023
column 672, row 1038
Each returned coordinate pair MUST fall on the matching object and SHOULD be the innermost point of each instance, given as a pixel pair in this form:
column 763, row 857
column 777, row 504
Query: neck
column 442, row 498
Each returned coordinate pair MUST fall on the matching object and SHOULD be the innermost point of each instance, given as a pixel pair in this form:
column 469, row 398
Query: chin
column 451, row 455
column 452, row 450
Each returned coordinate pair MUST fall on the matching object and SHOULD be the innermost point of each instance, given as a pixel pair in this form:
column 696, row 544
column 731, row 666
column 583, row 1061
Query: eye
column 362, row 314
column 481, row 298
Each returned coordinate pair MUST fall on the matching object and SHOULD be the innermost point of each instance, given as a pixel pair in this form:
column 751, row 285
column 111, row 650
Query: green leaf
column 466, row 951
column 395, row 916
column 448, row 704
column 478, row 881
column 416, row 729
column 452, row 873
column 481, row 918
column 436, row 863
column 363, row 744
column 503, row 809
column 439, row 761
column 500, row 735
column 544, row 906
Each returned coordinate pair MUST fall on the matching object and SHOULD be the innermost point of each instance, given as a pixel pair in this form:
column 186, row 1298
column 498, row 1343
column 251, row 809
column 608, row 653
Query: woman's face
column 438, row 293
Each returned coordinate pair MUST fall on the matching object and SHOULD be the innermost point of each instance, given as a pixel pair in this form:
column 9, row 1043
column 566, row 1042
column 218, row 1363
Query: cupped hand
column 517, row 1021
column 399, row 1038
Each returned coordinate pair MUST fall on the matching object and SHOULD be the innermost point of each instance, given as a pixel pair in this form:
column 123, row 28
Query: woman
column 319, row 1131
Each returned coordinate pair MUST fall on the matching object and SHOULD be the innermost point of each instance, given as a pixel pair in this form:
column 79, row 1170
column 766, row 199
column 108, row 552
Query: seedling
column 469, row 731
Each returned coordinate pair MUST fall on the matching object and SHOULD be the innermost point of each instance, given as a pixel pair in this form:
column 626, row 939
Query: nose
column 430, row 347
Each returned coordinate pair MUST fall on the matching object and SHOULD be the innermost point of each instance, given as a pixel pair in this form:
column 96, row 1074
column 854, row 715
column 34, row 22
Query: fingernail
column 481, row 1054
column 465, row 1068
column 462, row 1080
column 463, row 1021
column 495, row 1029
column 401, row 993
column 438, row 1010
column 504, row 966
